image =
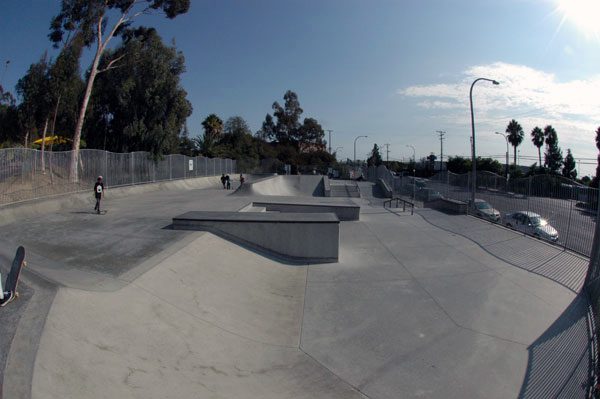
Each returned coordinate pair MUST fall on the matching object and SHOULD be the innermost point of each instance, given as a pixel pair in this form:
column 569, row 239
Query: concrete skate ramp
column 176, row 333
column 297, row 186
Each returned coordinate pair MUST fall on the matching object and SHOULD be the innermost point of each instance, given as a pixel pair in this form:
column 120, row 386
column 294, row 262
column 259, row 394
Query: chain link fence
column 30, row 174
column 571, row 343
column 567, row 206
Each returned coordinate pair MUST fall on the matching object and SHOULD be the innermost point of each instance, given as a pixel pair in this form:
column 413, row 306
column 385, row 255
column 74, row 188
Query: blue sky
column 396, row 71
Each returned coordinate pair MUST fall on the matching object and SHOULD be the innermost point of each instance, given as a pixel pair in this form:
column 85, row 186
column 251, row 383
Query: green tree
column 375, row 157
column 236, row 126
column 537, row 138
column 140, row 106
column 458, row 164
column 213, row 128
column 89, row 20
column 34, row 91
column 267, row 131
column 288, row 119
column 515, row 136
column 187, row 146
column 489, row 165
column 553, row 155
column 569, row 166
column 9, row 119
column 311, row 134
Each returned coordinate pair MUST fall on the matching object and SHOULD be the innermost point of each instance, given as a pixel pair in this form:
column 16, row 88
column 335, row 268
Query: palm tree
column 537, row 137
column 515, row 136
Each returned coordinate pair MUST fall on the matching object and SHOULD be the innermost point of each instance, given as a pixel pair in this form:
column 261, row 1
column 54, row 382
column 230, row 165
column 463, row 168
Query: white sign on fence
column 191, row 164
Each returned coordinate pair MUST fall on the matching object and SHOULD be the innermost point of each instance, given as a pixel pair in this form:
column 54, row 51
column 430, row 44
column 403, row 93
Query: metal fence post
column 568, row 224
column 132, row 171
column 170, row 169
column 529, row 192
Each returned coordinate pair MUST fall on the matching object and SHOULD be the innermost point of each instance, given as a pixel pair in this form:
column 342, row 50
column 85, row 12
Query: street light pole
column 355, row 149
column 414, row 170
column 506, row 138
column 473, row 160
column 329, row 142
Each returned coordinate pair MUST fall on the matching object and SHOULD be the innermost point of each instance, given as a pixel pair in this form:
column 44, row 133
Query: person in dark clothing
column 98, row 192
column 242, row 180
column 228, row 182
column 223, row 180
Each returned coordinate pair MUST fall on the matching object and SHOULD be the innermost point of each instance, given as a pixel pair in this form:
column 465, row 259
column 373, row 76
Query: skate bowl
column 286, row 186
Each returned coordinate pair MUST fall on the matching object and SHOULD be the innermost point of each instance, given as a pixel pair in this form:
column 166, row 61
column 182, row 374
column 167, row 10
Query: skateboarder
column 98, row 191
column 242, row 179
column 223, row 180
column 228, row 182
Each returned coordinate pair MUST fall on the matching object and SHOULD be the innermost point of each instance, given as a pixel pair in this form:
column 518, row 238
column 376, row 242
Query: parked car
column 485, row 211
column 532, row 224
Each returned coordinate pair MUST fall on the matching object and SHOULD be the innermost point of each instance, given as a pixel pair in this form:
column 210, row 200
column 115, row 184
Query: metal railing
column 30, row 174
column 404, row 203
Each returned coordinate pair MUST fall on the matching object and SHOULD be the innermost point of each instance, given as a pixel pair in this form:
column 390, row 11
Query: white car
column 485, row 211
column 532, row 224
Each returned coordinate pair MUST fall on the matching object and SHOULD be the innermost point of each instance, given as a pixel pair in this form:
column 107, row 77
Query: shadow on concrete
column 560, row 360
column 553, row 262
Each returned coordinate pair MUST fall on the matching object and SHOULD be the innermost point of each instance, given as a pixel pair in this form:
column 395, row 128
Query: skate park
column 429, row 304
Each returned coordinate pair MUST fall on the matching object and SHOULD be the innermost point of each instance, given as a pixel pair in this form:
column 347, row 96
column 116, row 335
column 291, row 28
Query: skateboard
column 12, row 280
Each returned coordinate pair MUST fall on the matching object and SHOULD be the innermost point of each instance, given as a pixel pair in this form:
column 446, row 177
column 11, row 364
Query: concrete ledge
column 344, row 212
column 449, row 205
column 295, row 237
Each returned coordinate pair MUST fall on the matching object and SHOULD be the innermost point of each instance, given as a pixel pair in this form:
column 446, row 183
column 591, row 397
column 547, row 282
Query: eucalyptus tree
column 267, row 130
column 537, row 138
column 89, row 20
column 515, row 136
column 33, row 91
column 140, row 106
column 288, row 118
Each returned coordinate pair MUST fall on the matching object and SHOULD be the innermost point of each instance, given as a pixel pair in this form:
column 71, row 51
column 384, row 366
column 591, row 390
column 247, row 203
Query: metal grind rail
column 404, row 203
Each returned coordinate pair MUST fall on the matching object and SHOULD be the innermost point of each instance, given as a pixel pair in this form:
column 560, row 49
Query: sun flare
column 584, row 14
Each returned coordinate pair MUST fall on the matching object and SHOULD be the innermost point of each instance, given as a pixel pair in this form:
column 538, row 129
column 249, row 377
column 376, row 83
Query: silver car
column 485, row 211
column 532, row 224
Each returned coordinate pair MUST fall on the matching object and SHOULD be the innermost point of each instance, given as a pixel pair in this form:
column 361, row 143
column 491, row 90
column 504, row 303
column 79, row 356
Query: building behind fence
column 29, row 174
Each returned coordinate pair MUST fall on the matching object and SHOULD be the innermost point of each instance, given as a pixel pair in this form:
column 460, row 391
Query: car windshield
column 538, row 221
column 483, row 205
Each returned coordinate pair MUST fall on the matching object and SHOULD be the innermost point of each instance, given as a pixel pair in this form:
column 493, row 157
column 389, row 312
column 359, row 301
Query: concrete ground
column 121, row 306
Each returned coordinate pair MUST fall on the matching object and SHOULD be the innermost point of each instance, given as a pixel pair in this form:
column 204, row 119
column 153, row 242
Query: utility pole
column 387, row 153
column 441, row 133
column 329, row 142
